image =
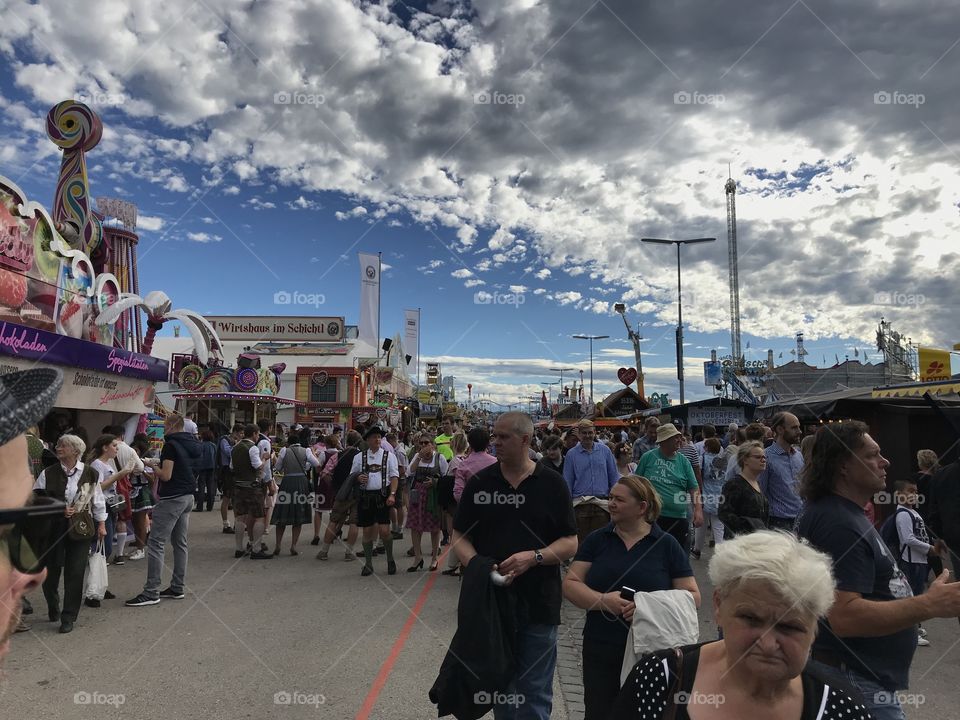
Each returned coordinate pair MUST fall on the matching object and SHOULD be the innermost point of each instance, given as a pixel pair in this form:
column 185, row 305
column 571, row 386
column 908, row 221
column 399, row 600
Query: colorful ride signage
column 278, row 327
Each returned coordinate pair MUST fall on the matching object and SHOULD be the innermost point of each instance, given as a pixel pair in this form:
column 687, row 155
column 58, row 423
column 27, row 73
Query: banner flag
column 369, row 329
column 411, row 341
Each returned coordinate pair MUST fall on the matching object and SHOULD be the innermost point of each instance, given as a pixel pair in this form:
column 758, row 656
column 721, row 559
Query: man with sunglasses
column 25, row 398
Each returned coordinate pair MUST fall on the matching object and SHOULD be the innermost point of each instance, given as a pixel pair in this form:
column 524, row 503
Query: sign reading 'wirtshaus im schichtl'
column 33, row 344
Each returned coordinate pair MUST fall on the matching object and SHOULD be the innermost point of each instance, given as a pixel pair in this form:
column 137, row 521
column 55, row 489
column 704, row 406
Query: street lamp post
column 591, row 338
column 678, row 243
column 561, row 371
column 549, row 391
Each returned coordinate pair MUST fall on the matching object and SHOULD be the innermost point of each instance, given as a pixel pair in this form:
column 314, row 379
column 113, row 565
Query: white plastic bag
column 95, row 585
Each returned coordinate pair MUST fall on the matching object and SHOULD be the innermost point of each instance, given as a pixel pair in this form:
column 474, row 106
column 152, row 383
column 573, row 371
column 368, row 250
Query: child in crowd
column 914, row 542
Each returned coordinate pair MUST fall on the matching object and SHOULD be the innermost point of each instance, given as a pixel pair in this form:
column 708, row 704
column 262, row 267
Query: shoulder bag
column 80, row 525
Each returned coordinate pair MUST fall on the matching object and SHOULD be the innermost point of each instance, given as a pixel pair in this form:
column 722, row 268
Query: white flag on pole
column 369, row 298
column 411, row 339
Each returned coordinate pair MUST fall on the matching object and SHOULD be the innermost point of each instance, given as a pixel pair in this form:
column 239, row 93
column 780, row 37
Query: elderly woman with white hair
column 78, row 485
column 769, row 592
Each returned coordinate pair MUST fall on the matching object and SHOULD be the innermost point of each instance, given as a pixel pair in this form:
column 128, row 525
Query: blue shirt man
column 781, row 480
column 589, row 467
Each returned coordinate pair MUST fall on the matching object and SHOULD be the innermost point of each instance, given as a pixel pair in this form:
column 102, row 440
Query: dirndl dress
column 292, row 503
column 423, row 514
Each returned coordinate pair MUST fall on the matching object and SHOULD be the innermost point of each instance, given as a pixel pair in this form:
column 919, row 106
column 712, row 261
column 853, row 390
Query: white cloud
column 231, row 190
column 208, row 220
column 473, row 283
column 567, row 297
column 149, row 223
column 518, row 289
column 258, row 204
column 202, row 237
column 301, row 203
column 176, row 183
column 542, row 274
column 462, row 273
column 358, row 211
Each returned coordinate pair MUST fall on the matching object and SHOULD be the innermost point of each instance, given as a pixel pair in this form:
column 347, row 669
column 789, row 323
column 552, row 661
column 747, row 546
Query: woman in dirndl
column 293, row 498
column 426, row 469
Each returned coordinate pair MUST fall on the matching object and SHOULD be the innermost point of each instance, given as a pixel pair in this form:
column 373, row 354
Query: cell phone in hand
column 627, row 593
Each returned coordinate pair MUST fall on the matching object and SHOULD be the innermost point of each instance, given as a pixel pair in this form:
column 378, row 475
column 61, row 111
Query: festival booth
column 716, row 411
column 51, row 307
column 68, row 293
column 902, row 419
column 224, row 396
column 620, row 409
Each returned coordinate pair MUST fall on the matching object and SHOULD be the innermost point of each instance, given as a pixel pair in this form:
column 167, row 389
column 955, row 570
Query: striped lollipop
column 245, row 379
column 76, row 129
column 190, row 377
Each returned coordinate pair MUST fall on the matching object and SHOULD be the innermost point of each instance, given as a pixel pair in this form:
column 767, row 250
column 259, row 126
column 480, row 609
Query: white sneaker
column 137, row 554
column 349, row 556
column 922, row 633
column 922, row 642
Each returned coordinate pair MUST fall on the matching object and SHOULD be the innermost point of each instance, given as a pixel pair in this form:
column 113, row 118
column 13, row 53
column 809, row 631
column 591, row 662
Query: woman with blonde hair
column 743, row 506
column 448, row 502
column 631, row 552
column 928, row 464
column 770, row 590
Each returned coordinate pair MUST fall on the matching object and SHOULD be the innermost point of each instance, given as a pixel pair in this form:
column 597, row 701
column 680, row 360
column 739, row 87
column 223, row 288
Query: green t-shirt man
column 672, row 478
column 443, row 446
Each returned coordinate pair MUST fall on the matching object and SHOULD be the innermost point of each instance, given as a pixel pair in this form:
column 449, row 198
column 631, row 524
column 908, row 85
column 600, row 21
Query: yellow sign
column 934, row 364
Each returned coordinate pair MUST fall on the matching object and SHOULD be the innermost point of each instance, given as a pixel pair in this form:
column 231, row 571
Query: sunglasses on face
column 26, row 533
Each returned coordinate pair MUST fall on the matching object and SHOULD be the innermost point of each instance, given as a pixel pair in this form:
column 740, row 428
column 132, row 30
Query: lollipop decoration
column 190, row 377
column 216, row 380
column 76, row 129
column 246, row 379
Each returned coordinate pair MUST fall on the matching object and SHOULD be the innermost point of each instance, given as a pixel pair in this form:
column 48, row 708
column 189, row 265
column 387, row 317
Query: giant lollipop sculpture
column 75, row 128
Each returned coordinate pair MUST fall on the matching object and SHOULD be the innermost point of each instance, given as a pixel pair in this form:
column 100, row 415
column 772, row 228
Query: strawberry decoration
column 13, row 288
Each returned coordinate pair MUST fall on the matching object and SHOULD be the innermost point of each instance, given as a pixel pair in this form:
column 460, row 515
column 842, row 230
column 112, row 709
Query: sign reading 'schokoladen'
column 278, row 327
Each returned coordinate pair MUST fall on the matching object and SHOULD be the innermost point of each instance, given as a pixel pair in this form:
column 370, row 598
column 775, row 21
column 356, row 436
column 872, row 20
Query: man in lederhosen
column 375, row 473
column 249, row 492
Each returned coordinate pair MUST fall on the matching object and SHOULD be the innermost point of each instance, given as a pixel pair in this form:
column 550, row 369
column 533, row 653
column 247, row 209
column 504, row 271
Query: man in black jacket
column 486, row 626
column 171, row 514
column 519, row 513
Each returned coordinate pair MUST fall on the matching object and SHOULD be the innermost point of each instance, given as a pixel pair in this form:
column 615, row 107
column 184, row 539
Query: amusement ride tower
column 731, row 191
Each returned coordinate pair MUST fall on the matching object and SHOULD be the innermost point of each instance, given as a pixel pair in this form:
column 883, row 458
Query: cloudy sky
column 507, row 155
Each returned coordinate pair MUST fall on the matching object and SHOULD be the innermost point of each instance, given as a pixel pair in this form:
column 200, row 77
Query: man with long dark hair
column 870, row 634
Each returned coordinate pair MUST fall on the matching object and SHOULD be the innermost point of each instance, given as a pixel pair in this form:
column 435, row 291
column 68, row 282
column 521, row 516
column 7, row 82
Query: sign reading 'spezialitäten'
column 265, row 328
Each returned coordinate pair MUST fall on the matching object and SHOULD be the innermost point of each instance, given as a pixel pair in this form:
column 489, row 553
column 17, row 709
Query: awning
column 255, row 397
column 917, row 389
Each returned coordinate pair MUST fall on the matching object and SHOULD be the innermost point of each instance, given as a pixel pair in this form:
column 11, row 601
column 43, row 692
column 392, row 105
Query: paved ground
column 251, row 635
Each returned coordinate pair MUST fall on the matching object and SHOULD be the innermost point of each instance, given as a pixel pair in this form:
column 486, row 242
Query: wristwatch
column 539, row 557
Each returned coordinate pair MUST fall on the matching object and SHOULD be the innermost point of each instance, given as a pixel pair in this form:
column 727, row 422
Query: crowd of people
column 818, row 603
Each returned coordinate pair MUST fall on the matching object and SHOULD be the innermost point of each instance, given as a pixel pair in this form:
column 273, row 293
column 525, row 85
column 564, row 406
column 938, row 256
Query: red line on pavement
column 387, row 668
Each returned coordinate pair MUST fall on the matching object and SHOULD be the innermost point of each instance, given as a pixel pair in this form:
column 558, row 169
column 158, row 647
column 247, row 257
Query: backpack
column 891, row 537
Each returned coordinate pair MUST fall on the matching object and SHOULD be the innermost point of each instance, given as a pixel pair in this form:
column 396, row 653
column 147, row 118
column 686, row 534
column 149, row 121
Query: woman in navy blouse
column 633, row 552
